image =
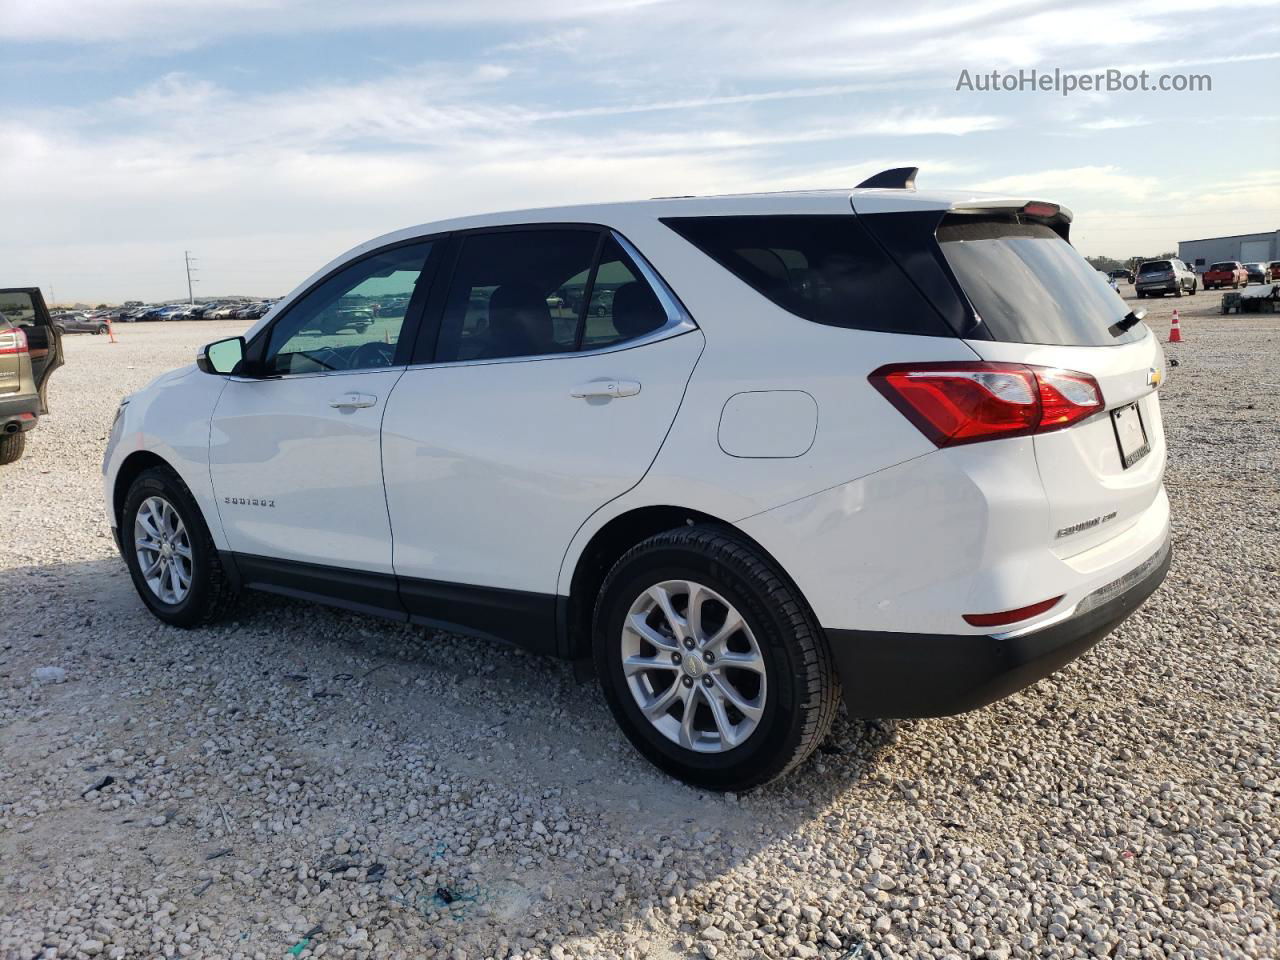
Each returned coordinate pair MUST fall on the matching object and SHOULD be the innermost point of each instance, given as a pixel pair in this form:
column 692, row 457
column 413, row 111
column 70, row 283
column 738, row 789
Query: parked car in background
column 30, row 350
column 778, row 468
column 1158, row 277
column 1257, row 273
column 1124, row 276
column 1274, row 269
column 1225, row 273
column 78, row 323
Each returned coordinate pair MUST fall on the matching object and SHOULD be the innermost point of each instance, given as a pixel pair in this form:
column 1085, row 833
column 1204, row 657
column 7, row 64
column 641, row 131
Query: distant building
column 1245, row 247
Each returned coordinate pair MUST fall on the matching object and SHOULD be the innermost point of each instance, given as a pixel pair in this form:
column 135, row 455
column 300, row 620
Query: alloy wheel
column 693, row 666
column 163, row 549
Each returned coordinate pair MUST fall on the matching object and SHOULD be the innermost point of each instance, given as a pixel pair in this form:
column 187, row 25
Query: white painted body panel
column 492, row 467
column 169, row 418
column 280, row 441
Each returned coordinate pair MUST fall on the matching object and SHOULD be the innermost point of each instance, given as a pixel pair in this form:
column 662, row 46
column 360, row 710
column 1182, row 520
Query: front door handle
column 351, row 401
column 606, row 388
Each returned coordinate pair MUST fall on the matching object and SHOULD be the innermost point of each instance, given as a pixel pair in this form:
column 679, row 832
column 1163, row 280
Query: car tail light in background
column 12, row 341
column 1010, row 616
column 971, row 401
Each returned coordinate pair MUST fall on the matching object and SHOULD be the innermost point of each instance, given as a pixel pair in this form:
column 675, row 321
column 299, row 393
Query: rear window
column 1155, row 266
column 1029, row 285
column 1223, row 266
column 827, row 269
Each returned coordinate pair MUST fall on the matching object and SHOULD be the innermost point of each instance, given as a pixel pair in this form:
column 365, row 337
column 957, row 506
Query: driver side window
column 352, row 321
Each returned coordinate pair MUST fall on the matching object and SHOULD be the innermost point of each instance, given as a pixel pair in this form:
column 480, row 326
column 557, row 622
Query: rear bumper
column 23, row 410
column 901, row 675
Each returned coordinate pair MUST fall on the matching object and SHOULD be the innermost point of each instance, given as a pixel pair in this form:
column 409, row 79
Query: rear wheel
column 11, row 446
column 712, row 664
column 169, row 552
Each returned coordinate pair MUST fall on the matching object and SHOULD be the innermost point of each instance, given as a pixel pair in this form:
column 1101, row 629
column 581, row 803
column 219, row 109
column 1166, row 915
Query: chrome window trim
column 679, row 321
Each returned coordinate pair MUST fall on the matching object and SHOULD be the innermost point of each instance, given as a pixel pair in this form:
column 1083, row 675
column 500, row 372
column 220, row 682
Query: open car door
column 25, row 307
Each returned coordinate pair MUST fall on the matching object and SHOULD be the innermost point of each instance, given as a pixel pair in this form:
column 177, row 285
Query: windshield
column 1028, row 285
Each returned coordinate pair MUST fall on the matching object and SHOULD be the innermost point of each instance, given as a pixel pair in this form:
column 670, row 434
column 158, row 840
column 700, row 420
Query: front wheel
column 170, row 554
column 712, row 664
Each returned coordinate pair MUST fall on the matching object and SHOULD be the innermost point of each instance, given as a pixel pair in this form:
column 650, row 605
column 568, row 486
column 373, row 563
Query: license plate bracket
column 1131, row 434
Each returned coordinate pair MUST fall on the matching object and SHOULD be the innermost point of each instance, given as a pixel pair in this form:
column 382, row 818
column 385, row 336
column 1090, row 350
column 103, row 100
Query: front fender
column 170, row 420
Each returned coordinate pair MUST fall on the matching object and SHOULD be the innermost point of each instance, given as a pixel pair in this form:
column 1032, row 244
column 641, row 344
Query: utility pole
column 191, row 299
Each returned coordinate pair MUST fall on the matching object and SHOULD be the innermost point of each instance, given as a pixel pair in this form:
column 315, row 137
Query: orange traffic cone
column 1175, row 333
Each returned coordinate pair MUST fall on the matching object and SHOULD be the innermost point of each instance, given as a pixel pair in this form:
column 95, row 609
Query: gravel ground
column 301, row 782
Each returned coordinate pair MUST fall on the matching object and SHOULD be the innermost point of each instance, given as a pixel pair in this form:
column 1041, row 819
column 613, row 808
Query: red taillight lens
column 12, row 341
column 1009, row 616
column 955, row 403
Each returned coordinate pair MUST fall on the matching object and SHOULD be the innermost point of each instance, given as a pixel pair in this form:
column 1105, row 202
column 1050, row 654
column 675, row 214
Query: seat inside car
column 520, row 322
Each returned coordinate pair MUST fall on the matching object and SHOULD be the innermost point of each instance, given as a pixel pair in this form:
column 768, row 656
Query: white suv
column 744, row 452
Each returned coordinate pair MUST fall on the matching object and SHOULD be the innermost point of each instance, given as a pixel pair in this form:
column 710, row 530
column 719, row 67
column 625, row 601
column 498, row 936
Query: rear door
column 1037, row 301
column 559, row 365
column 25, row 307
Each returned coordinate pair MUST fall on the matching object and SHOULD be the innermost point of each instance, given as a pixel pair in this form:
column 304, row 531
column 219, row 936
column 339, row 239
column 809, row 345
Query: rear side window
column 1028, row 285
column 827, row 269
column 524, row 293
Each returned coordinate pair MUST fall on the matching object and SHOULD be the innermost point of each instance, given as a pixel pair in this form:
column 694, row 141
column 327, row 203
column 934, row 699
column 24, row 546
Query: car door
column 558, row 366
column 294, row 449
column 25, row 307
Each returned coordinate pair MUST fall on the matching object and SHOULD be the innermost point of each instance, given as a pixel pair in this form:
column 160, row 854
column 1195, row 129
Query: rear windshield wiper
column 1131, row 319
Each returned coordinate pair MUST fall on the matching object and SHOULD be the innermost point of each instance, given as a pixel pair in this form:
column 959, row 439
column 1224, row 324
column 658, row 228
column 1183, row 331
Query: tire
column 59, row 330
column 1194, row 287
column 1177, row 290
column 209, row 594
column 798, row 695
column 11, row 446
column 99, row 329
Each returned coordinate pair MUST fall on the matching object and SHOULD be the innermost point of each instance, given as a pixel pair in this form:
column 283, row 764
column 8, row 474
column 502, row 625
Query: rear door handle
column 606, row 388
column 350, row 401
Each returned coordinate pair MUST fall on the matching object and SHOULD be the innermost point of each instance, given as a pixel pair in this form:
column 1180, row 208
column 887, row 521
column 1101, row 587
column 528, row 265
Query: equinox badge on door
column 248, row 502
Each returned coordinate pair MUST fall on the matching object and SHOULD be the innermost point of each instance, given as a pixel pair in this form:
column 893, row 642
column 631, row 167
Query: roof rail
column 899, row 178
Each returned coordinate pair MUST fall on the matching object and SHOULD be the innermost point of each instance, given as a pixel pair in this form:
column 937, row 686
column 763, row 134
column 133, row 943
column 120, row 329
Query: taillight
column 12, row 341
column 971, row 401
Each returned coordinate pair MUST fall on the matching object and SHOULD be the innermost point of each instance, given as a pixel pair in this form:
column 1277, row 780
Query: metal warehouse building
column 1245, row 247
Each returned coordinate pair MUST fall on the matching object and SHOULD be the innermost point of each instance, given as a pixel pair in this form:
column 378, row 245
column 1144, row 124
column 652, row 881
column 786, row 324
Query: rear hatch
column 1039, row 302
column 1017, row 292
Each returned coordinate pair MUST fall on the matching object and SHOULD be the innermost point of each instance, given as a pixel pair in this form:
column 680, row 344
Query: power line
column 191, row 299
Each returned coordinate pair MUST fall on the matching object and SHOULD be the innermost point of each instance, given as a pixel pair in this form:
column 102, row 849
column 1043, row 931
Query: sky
column 268, row 136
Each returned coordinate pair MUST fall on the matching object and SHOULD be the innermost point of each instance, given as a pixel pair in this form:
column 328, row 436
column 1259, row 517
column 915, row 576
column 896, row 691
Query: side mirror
column 221, row 356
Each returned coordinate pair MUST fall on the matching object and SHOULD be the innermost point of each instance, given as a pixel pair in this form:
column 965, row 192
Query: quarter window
column 827, row 269
column 352, row 321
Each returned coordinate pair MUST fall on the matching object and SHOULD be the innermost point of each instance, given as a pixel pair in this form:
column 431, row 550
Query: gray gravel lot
column 301, row 782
